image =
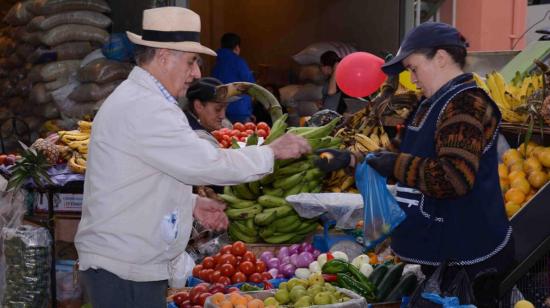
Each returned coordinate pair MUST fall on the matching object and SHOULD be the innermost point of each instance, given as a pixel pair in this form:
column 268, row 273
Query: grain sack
column 96, row 54
column 73, row 32
column 33, row 38
column 35, row 73
column 90, row 91
column 8, row 87
column 5, row 113
column 33, row 122
column 103, row 70
column 56, row 84
column 89, row 18
column 65, row 51
column 54, row 70
column 46, row 111
column 35, row 24
column 19, row 14
column 23, row 87
column 311, row 73
column 4, row 73
column 312, row 53
column 287, row 93
column 24, row 50
column 50, row 7
column 19, row 106
column 39, row 95
column 13, row 61
column 69, row 107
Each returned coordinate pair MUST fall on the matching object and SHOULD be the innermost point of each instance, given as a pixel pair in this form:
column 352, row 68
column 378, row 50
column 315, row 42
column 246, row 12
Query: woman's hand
column 209, row 213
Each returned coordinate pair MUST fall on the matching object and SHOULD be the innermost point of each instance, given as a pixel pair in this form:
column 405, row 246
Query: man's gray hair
column 144, row 54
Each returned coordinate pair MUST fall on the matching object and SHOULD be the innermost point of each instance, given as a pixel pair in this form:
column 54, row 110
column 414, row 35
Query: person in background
column 203, row 112
column 447, row 168
column 231, row 67
column 333, row 98
column 144, row 158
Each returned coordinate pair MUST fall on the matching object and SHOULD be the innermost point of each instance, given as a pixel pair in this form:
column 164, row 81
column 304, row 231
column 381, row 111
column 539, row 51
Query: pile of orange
column 522, row 173
column 236, row 300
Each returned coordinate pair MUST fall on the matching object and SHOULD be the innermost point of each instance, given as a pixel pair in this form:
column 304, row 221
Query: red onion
column 306, row 247
column 274, row 272
column 304, row 259
column 273, row 263
column 294, row 259
column 283, row 252
column 316, row 253
column 288, row 270
column 285, row 260
column 294, row 248
column 280, row 276
column 266, row 255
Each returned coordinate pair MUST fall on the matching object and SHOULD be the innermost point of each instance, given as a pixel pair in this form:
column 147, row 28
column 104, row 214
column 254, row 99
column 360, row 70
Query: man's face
column 211, row 114
column 326, row 70
column 181, row 69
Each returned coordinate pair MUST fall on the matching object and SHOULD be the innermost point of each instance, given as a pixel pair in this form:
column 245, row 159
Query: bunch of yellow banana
column 77, row 140
column 511, row 98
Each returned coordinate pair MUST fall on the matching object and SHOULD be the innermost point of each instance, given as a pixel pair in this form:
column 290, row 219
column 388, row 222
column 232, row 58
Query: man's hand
column 331, row 160
column 290, row 146
column 383, row 162
column 209, row 213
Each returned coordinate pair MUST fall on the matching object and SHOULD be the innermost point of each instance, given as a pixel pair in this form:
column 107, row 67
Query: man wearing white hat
column 144, row 158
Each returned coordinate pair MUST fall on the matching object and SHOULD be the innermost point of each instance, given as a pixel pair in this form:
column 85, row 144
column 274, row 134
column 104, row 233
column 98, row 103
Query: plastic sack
column 180, row 269
column 312, row 53
column 445, row 288
column 69, row 292
column 382, row 214
column 119, row 48
column 346, row 209
column 27, row 250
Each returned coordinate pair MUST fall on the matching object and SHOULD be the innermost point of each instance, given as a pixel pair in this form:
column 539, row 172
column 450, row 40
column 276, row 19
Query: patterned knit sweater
column 466, row 125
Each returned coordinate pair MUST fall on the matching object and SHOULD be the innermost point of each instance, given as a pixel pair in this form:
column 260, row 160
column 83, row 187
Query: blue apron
column 464, row 230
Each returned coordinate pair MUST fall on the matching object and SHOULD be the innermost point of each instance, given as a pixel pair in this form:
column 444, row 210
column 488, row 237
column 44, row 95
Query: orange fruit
column 226, row 304
column 531, row 164
column 248, row 297
column 502, row 170
column 537, row 178
column 514, row 195
column 511, row 208
column 544, row 157
column 218, row 298
column 521, row 184
column 255, row 303
column 530, row 147
column 237, row 299
column 516, row 174
column 517, row 166
column 511, row 156
column 504, row 184
column 536, row 151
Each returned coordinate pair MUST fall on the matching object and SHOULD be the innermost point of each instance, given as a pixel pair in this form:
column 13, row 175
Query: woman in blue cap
column 447, row 168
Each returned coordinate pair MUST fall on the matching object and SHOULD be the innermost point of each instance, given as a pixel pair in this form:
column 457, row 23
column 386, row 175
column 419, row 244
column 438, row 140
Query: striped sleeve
column 466, row 126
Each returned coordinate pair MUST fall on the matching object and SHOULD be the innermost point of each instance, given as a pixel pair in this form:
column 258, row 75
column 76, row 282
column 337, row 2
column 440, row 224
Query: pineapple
column 47, row 148
column 32, row 165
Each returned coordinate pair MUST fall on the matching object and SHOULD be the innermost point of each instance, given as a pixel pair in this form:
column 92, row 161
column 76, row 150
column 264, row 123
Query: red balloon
column 359, row 74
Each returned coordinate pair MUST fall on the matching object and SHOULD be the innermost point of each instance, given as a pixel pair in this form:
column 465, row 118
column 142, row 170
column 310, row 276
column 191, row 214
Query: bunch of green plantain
column 258, row 211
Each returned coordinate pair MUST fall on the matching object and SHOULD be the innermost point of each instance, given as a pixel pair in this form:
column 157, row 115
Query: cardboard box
column 61, row 202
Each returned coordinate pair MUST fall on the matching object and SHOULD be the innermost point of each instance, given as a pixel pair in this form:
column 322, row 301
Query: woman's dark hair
column 144, row 54
column 328, row 58
column 230, row 40
column 457, row 53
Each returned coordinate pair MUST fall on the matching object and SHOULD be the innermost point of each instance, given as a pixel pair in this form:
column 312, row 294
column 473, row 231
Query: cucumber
column 390, row 280
column 405, row 287
column 378, row 274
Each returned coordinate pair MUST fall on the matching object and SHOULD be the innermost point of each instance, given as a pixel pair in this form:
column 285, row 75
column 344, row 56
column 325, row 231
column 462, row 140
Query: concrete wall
column 274, row 30
column 535, row 13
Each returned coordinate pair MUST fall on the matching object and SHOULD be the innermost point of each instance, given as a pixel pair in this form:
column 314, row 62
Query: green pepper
column 335, row 266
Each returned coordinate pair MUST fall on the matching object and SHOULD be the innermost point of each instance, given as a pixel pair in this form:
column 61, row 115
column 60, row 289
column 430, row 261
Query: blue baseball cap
column 426, row 35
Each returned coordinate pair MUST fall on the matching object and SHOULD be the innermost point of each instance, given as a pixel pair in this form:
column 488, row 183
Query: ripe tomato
column 260, row 266
column 266, row 276
column 228, row 258
column 262, row 125
column 226, row 249
column 249, row 256
column 196, row 270
column 232, row 289
column 208, row 262
column 215, row 276
column 217, row 134
column 217, row 258
column 205, row 274
column 234, row 132
column 180, row 297
column 255, row 277
column 216, row 287
column 242, row 138
column 225, row 280
column 249, row 132
column 226, row 137
column 238, row 248
column 261, row 133
column 196, row 290
column 243, row 134
column 238, row 277
column 227, row 270
column 247, row 267
column 202, row 298
column 225, row 144
column 250, row 125
column 224, row 130
column 238, row 125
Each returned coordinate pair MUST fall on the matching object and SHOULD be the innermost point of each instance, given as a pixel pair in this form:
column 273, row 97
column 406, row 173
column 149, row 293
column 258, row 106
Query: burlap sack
column 35, row 73
column 65, row 51
column 19, row 14
column 103, row 71
column 39, row 95
column 47, row 111
column 52, row 71
column 73, row 32
column 89, row 18
column 90, row 91
column 49, row 7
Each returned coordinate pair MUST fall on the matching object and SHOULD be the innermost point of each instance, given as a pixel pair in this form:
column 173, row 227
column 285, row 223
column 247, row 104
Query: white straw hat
column 172, row 28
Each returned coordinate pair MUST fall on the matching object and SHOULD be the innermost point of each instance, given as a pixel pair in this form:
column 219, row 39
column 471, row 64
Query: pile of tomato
column 196, row 297
column 240, row 132
column 232, row 264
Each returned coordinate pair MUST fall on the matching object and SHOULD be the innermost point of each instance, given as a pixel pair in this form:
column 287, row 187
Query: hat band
column 170, row 36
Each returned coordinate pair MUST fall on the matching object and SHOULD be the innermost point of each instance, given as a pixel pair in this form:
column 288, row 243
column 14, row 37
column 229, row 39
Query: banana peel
column 261, row 94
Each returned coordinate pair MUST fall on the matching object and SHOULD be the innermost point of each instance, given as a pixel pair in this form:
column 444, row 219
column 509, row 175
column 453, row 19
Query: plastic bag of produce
column 27, row 251
column 180, row 269
column 441, row 290
column 381, row 211
column 312, row 53
column 345, row 209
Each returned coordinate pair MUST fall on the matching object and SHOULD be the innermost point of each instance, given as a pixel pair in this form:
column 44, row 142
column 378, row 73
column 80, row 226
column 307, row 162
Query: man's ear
column 197, row 105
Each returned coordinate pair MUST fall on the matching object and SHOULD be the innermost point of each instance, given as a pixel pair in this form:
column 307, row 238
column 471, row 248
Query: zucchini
column 390, row 280
column 367, row 284
column 378, row 274
column 346, row 281
column 405, row 287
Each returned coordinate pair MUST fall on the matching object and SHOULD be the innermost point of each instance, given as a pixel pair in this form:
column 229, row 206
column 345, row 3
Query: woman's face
column 424, row 72
column 211, row 114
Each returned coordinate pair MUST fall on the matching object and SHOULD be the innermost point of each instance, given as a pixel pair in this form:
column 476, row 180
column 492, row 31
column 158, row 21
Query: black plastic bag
column 441, row 284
